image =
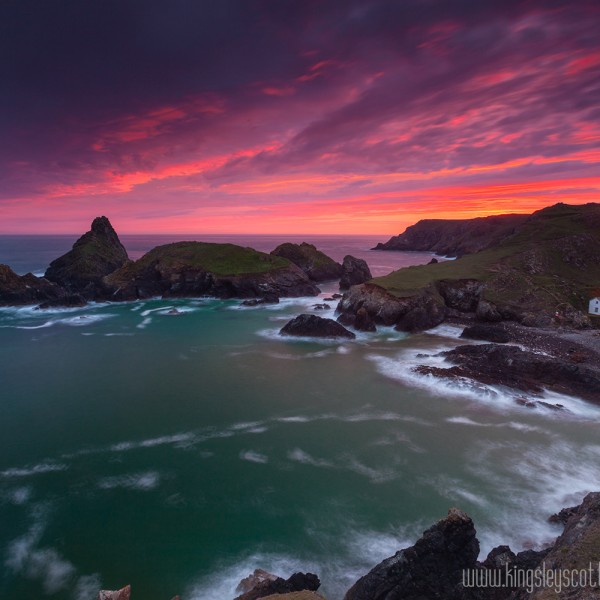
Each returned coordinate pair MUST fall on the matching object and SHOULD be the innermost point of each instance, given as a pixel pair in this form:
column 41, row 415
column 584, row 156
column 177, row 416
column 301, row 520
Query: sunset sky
column 285, row 116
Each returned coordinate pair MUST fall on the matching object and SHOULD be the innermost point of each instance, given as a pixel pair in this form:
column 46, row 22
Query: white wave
column 45, row 467
column 144, row 323
column 87, row 587
column 512, row 424
column 273, row 334
column 448, row 331
column 294, row 419
column 119, row 334
column 45, row 564
column 19, row 496
column 374, row 475
column 137, row 481
column 534, row 482
column 298, row 455
column 178, row 438
column 148, row 311
column 252, row 456
column 497, row 397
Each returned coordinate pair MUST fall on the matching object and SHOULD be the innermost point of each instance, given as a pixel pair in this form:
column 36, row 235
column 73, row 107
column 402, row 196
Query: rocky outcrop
column 354, row 272
column 432, row 568
column 412, row 314
column 460, row 294
column 266, row 585
column 488, row 333
column 27, row 289
column 192, row 269
column 361, row 321
column 317, row 265
column 526, row 371
column 454, row 237
column 313, row 326
column 95, row 254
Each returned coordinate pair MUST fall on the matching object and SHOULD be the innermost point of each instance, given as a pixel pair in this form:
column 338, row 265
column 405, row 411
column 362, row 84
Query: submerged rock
column 354, row 271
column 95, row 254
column 313, row 326
column 316, row 264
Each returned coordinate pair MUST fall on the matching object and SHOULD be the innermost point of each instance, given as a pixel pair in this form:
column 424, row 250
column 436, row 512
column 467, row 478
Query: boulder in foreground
column 313, row 326
column 432, row 568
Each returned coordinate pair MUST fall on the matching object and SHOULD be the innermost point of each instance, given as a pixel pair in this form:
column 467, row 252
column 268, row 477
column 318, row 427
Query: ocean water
column 180, row 452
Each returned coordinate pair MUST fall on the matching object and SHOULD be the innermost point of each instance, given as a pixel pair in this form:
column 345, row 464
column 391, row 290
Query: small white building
column 595, row 306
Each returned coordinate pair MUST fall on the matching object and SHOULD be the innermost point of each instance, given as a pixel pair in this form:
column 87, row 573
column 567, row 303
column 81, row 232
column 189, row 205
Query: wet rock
column 69, row 301
column 313, row 326
column 432, row 568
column 354, row 272
column 488, row 333
column 428, row 312
column 27, row 289
column 321, row 306
column 433, row 261
column 526, row 371
column 563, row 515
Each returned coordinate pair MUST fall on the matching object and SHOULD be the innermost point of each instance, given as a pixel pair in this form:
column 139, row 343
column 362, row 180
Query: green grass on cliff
column 220, row 259
column 552, row 258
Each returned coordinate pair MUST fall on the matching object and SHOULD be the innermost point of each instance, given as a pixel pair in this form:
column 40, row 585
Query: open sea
column 178, row 453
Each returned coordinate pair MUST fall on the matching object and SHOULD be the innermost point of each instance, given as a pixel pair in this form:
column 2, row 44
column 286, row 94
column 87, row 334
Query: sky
column 289, row 116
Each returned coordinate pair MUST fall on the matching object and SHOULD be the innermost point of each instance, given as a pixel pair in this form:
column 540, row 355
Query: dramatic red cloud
column 354, row 121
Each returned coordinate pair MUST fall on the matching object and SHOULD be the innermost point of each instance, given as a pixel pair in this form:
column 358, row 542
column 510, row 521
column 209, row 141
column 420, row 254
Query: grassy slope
column 529, row 263
column 220, row 259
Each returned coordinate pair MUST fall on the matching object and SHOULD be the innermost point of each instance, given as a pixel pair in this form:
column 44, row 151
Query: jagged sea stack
column 95, row 254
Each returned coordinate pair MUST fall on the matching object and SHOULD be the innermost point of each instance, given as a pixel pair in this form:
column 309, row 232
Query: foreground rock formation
column 317, row 265
column 265, row 585
column 443, row 564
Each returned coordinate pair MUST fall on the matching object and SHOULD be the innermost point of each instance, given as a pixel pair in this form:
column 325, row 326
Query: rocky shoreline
column 444, row 564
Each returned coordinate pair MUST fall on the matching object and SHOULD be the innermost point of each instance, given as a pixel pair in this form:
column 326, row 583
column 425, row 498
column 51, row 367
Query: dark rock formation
column 454, row 237
column 27, row 289
column 432, row 568
column 96, row 254
column 192, row 269
column 413, row 313
column 520, row 369
column 268, row 299
column 313, row 326
column 563, row 515
column 323, row 306
column 268, row 586
column 361, row 321
column 354, row 272
column 433, row 261
column 488, row 333
column 460, row 294
column 317, row 265
column 487, row 311
column 69, row 301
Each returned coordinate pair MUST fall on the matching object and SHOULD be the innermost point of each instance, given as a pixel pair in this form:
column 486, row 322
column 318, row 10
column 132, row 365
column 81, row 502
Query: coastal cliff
column 454, row 237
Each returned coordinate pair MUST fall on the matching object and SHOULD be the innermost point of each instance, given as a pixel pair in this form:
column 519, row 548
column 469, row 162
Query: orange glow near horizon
column 331, row 142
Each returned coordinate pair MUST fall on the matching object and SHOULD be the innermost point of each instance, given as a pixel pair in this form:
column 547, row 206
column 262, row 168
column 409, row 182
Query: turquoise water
column 180, row 452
